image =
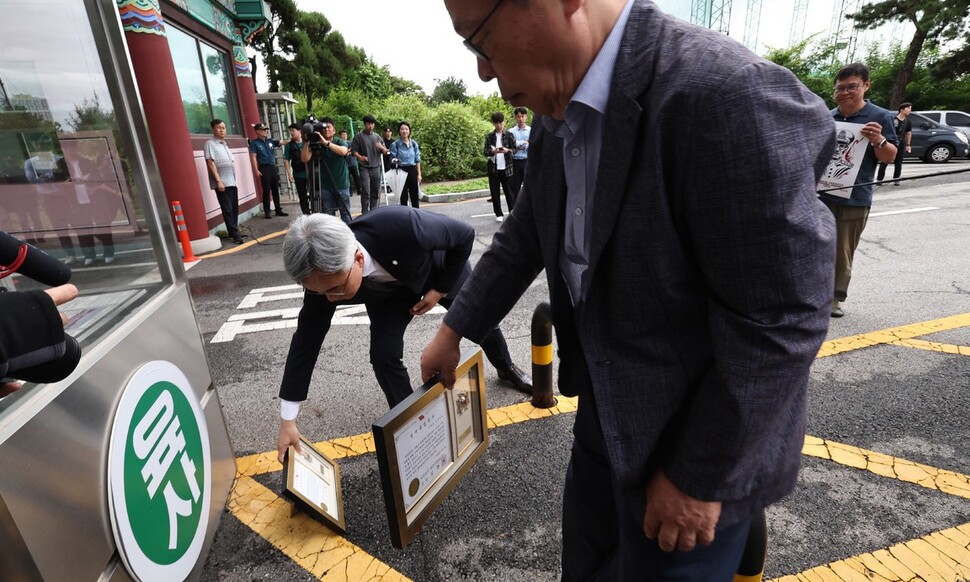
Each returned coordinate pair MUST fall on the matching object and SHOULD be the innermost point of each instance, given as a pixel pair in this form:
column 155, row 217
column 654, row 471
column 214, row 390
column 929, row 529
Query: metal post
column 542, row 357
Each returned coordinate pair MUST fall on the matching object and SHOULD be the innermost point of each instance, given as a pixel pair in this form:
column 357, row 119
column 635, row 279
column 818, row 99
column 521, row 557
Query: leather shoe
column 281, row 213
column 516, row 377
column 238, row 240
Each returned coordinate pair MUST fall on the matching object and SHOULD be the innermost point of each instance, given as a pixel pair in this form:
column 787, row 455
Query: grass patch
column 453, row 187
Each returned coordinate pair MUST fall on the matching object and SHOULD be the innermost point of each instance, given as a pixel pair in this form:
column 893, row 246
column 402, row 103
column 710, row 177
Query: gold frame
column 320, row 511
column 415, row 427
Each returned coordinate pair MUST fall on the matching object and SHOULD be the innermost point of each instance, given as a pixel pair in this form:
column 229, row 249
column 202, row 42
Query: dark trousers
column 389, row 317
column 301, row 193
column 270, row 180
column 229, row 204
column 410, row 186
column 354, row 172
column 518, row 175
column 370, row 188
column 897, row 165
column 602, row 525
column 495, row 179
column 86, row 242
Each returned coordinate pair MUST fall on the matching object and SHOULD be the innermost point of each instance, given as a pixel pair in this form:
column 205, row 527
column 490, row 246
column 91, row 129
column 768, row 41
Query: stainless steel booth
column 122, row 470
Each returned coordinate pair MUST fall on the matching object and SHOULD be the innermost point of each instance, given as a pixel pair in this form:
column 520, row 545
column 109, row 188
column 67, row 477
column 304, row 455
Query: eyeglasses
column 334, row 291
column 848, row 88
column 472, row 46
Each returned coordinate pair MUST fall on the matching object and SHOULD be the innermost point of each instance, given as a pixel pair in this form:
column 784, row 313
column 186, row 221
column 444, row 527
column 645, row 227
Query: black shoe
column 267, row 215
column 238, row 240
column 516, row 377
column 243, row 235
column 281, row 213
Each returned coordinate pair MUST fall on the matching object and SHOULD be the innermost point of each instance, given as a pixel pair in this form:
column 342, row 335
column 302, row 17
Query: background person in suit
column 399, row 262
column 689, row 303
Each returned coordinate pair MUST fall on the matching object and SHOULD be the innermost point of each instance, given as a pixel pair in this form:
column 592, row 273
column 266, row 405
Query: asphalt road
column 891, row 409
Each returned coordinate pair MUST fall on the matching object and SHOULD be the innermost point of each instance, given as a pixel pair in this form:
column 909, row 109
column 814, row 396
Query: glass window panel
column 958, row 119
column 217, row 68
column 66, row 183
column 188, row 71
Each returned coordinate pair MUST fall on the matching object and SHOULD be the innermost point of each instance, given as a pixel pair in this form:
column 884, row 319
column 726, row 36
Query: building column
column 246, row 89
column 154, row 69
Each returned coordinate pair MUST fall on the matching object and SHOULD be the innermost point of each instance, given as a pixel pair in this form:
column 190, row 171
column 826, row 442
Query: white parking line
column 908, row 211
column 285, row 317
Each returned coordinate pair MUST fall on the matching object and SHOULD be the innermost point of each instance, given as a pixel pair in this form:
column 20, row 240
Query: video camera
column 312, row 126
column 35, row 354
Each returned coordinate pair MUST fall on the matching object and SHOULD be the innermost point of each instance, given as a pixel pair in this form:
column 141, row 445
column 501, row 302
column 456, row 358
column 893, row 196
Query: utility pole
column 798, row 17
column 752, row 23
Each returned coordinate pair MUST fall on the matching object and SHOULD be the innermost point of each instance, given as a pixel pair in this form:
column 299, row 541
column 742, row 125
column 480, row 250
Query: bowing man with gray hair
column 399, row 262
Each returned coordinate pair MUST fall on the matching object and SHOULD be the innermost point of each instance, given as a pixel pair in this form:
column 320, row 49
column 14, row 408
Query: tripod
column 319, row 174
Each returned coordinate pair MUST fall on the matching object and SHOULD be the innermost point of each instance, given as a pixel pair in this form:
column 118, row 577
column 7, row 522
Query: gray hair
column 318, row 242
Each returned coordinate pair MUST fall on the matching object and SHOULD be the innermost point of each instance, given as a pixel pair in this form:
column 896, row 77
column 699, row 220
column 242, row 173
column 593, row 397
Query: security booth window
column 67, row 185
column 205, row 82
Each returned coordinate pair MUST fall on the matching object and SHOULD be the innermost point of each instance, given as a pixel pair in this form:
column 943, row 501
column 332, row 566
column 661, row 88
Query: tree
column 89, row 115
column 935, row 21
column 283, row 15
column 401, row 86
column 450, row 90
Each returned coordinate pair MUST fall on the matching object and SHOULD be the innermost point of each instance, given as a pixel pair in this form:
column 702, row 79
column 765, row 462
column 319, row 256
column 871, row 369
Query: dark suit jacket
column 508, row 141
column 711, row 264
column 421, row 249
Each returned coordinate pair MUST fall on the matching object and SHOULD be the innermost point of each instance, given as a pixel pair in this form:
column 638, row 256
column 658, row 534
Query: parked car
column 936, row 143
column 956, row 119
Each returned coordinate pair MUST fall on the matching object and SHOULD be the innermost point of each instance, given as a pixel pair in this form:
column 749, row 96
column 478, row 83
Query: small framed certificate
column 427, row 443
column 312, row 480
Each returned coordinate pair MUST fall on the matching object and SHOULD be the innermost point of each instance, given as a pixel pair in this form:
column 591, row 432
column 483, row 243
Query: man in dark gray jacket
column 672, row 204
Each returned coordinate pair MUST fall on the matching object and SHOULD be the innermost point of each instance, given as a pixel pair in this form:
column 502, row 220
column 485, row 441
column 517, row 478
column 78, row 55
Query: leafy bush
column 451, row 143
column 483, row 107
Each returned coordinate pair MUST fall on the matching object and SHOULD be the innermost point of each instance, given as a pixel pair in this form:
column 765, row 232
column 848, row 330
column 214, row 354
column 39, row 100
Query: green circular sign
column 159, row 474
column 164, row 413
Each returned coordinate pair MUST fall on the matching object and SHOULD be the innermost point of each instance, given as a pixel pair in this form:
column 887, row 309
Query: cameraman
column 31, row 331
column 332, row 176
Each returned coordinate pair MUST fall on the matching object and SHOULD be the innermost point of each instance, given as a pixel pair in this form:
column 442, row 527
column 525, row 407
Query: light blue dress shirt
column 582, row 135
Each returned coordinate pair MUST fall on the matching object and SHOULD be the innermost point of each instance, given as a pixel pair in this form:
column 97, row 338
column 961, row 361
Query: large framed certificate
column 427, row 443
column 312, row 480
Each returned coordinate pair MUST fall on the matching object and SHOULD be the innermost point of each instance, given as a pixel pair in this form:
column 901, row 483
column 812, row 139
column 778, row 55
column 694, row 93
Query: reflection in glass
column 217, row 74
column 203, row 78
column 66, row 184
column 195, row 100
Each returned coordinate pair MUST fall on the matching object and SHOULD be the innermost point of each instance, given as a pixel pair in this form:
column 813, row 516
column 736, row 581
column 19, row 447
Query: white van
column 955, row 119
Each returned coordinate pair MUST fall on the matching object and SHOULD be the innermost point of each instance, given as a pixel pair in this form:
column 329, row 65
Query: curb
column 454, row 197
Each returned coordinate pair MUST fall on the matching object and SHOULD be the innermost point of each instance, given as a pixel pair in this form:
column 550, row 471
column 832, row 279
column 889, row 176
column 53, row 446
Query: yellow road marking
column 942, row 480
column 942, row 556
column 361, row 444
column 892, row 335
column 313, row 546
column 934, row 347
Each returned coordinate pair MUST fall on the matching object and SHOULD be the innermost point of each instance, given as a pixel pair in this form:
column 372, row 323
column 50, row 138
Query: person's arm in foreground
column 764, row 246
column 312, row 327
